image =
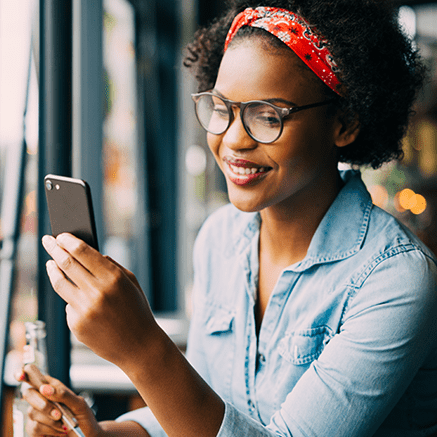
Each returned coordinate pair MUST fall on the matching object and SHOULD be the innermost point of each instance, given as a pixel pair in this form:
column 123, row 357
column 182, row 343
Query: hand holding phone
column 70, row 208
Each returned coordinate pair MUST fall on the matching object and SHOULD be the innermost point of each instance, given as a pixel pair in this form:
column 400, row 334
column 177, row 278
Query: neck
column 287, row 228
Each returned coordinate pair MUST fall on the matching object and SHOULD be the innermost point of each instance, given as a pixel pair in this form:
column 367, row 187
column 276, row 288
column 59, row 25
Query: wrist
column 147, row 353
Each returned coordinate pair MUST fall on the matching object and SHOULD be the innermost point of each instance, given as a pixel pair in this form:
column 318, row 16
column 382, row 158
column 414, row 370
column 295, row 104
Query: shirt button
column 251, row 405
column 261, row 358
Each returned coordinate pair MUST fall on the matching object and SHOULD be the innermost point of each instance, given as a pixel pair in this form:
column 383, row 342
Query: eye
column 221, row 111
column 271, row 120
column 219, row 108
column 263, row 114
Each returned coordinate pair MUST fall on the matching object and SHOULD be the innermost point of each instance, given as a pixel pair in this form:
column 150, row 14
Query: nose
column 236, row 137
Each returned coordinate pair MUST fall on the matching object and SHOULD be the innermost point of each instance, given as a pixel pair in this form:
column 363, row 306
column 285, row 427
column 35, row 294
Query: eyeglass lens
column 261, row 120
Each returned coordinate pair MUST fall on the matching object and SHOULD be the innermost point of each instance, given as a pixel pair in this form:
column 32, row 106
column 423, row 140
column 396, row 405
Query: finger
column 73, row 318
column 69, row 265
column 61, row 284
column 44, row 424
column 41, row 404
column 34, row 376
column 88, row 257
column 34, row 394
column 54, row 390
column 20, row 376
column 36, row 429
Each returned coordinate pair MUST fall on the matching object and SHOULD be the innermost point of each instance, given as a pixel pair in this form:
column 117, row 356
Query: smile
column 244, row 172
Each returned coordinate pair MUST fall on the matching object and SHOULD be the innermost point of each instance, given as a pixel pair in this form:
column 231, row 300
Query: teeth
column 246, row 171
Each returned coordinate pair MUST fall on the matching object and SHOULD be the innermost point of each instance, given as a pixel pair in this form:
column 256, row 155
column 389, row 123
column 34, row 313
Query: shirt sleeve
column 145, row 418
column 388, row 330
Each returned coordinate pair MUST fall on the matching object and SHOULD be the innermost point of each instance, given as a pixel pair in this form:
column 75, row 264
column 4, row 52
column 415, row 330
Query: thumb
column 54, row 390
column 72, row 407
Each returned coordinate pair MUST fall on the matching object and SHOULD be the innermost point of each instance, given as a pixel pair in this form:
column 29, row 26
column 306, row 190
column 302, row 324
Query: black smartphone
column 70, row 208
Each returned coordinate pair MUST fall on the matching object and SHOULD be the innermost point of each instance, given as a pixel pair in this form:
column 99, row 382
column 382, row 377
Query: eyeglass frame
column 282, row 112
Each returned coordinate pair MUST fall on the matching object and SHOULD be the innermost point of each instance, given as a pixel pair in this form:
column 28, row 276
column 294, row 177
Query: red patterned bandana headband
column 293, row 31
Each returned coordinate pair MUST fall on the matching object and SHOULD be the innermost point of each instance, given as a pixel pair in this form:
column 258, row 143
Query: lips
column 242, row 172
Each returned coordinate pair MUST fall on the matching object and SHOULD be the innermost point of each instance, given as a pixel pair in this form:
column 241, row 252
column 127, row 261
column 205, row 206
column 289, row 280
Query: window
column 408, row 189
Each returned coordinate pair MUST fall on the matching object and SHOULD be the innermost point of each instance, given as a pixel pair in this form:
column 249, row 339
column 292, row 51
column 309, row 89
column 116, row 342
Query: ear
column 347, row 130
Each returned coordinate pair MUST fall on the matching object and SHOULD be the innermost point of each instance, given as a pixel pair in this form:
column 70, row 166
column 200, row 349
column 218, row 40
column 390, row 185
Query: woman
column 314, row 310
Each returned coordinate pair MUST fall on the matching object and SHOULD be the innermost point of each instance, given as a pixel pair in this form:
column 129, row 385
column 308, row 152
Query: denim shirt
column 348, row 343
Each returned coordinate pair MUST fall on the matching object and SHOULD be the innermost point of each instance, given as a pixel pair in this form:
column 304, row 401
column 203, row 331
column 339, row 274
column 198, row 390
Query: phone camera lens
column 49, row 185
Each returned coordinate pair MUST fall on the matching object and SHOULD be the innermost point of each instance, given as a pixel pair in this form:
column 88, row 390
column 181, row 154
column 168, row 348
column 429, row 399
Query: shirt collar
column 337, row 237
column 340, row 235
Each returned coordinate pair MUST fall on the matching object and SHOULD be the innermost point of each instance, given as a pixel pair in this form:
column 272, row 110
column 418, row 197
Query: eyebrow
column 273, row 101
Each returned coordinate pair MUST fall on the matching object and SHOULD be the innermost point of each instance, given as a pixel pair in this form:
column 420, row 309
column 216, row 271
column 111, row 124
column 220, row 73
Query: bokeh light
column 419, row 204
column 408, row 200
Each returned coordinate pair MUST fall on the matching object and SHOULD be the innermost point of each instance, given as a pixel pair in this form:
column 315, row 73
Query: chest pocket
column 218, row 321
column 304, row 346
column 296, row 351
column 220, row 344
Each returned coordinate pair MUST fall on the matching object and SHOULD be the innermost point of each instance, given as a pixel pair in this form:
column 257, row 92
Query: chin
column 245, row 205
column 244, row 208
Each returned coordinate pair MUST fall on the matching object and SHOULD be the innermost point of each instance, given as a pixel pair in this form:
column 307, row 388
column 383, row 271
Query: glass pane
column 408, row 189
column 119, row 128
column 19, row 91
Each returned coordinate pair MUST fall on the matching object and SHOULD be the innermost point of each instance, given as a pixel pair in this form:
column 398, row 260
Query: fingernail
column 20, row 376
column 48, row 241
column 50, row 264
column 47, row 390
column 56, row 414
column 64, row 238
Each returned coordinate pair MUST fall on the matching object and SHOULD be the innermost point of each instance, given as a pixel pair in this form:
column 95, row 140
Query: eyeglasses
column 262, row 120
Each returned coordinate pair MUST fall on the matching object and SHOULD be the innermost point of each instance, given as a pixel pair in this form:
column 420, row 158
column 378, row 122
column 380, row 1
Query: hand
column 106, row 308
column 44, row 417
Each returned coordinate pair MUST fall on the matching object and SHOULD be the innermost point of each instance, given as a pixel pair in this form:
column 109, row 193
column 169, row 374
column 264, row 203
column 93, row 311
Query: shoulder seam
column 355, row 286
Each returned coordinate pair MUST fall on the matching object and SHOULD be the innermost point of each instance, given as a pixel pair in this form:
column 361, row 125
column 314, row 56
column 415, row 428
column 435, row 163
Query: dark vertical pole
column 164, row 156
column 157, row 39
column 144, row 41
column 87, row 82
column 55, row 121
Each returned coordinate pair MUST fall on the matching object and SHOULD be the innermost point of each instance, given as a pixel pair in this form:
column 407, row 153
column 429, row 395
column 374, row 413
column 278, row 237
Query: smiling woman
column 314, row 311
column 303, row 160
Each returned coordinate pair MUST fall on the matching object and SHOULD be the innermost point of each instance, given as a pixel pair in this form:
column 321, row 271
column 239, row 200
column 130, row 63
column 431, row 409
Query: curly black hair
column 380, row 69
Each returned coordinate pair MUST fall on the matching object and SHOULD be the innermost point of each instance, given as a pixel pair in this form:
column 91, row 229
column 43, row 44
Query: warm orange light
column 419, row 204
column 397, row 204
column 407, row 199
column 31, row 150
column 30, row 203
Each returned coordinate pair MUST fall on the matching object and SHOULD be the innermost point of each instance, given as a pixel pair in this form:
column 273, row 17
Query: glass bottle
column 35, row 352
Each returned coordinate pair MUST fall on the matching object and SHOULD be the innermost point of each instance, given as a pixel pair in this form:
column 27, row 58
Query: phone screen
column 70, row 208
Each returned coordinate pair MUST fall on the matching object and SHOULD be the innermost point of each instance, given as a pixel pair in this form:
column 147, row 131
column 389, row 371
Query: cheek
column 213, row 142
column 302, row 151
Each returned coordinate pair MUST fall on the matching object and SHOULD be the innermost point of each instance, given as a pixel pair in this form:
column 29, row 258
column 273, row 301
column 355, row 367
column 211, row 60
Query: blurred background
column 97, row 90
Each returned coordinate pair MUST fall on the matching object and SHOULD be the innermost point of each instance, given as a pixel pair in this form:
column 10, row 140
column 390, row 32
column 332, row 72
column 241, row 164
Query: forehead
column 254, row 70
